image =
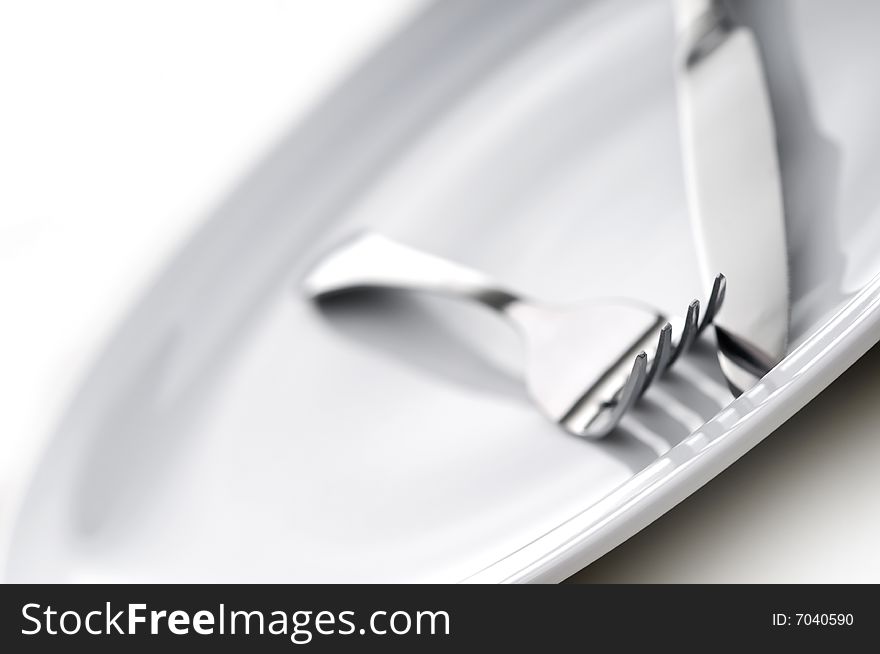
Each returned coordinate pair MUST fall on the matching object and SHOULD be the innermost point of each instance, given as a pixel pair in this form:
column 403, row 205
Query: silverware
column 734, row 187
column 586, row 365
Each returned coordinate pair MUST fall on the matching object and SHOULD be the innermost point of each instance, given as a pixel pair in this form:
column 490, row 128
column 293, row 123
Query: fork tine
column 716, row 299
column 666, row 352
column 661, row 356
column 630, row 392
column 688, row 331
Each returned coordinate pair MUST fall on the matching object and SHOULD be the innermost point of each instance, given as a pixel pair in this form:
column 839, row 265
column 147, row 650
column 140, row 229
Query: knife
column 733, row 185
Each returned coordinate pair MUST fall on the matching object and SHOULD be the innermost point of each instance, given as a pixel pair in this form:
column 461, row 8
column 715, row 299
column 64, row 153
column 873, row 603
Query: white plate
column 234, row 432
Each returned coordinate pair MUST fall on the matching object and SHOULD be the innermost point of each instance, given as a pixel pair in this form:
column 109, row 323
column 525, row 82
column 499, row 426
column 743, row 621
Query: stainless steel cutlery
column 733, row 183
column 586, row 365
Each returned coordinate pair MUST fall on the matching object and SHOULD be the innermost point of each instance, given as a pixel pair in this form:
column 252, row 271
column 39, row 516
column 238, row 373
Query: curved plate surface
column 232, row 431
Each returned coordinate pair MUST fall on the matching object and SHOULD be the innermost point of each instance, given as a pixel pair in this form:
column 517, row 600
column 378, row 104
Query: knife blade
column 733, row 185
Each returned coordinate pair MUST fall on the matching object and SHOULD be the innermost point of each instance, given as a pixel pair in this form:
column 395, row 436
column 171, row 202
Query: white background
column 122, row 124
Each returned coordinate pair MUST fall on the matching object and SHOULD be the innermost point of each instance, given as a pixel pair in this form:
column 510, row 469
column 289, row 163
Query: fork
column 586, row 365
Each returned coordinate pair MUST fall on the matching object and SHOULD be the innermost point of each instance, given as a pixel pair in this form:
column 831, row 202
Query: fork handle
column 373, row 261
